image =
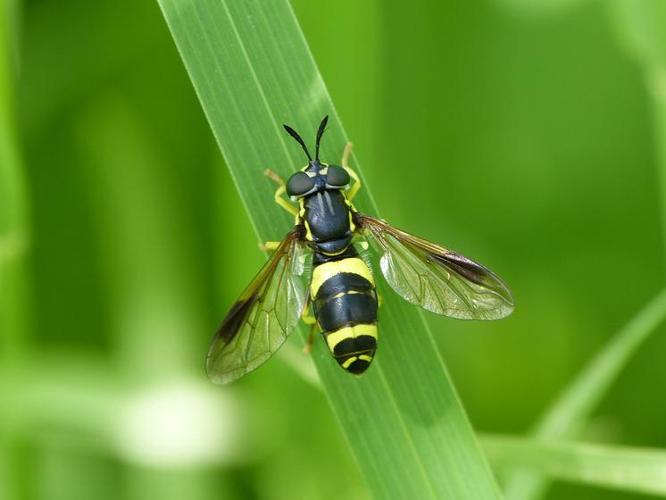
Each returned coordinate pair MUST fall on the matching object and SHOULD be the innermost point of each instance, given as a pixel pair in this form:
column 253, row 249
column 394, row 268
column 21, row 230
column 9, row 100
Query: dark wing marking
column 264, row 315
column 435, row 278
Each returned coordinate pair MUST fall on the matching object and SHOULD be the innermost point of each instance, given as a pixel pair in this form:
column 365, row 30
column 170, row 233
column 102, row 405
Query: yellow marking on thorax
column 308, row 231
column 350, row 292
column 327, row 270
column 334, row 338
column 352, row 226
column 301, row 217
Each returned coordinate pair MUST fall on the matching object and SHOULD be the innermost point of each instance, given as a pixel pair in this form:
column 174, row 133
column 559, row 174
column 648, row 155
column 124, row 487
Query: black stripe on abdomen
column 346, row 309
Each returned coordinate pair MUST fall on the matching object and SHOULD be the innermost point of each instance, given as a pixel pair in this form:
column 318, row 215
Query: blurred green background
column 523, row 136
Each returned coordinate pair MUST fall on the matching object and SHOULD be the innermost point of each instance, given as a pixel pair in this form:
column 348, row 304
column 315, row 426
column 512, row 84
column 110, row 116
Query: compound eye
column 337, row 176
column 299, row 184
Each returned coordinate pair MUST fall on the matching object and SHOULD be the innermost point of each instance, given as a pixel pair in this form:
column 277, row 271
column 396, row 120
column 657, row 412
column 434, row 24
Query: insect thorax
column 328, row 221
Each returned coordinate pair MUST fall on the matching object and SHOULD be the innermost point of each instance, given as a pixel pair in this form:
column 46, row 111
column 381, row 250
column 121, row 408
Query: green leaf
column 641, row 30
column 13, row 204
column 569, row 412
column 14, row 235
column 253, row 71
column 145, row 276
column 632, row 469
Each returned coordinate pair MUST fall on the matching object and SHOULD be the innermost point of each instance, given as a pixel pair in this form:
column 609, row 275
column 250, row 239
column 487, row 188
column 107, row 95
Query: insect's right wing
column 263, row 316
column 435, row 278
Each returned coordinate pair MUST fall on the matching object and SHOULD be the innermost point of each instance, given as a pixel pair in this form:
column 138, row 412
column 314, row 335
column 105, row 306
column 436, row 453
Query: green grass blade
column 641, row 30
column 14, row 236
column 13, row 203
column 144, row 243
column 570, row 411
column 252, row 71
column 657, row 86
column 631, row 469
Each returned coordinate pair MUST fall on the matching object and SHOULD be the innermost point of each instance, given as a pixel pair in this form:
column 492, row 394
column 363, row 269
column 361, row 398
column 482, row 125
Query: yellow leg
column 309, row 319
column 345, row 164
column 307, row 348
column 269, row 246
column 280, row 191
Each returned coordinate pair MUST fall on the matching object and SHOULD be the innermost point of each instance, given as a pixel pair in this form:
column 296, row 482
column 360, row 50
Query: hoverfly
column 316, row 273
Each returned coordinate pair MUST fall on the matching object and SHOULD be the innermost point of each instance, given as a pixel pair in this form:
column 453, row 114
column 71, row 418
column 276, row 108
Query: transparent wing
column 264, row 315
column 435, row 278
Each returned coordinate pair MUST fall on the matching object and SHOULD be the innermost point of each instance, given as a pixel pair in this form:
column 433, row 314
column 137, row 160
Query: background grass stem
column 571, row 410
column 617, row 467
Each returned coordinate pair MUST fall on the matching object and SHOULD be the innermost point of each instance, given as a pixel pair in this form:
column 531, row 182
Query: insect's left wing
column 263, row 316
column 435, row 278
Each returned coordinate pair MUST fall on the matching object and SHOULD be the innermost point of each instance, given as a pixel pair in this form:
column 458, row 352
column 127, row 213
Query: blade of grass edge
column 570, row 410
column 14, row 237
column 14, row 233
column 619, row 467
column 641, row 31
column 252, row 71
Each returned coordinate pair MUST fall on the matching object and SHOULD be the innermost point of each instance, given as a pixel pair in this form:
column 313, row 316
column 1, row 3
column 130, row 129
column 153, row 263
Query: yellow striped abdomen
column 345, row 304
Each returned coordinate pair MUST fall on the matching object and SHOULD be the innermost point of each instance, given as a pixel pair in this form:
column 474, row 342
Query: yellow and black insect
column 317, row 266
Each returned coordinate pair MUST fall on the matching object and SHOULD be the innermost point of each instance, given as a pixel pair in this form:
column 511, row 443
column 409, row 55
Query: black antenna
column 320, row 132
column 295, row 135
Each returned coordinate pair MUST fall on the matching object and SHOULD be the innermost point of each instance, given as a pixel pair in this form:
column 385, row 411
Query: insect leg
column 307, row 348
column 309, row 319
column 345, row 164
column 280, row 191
column 269, row 246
